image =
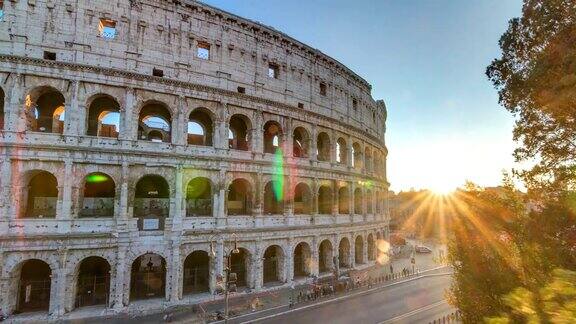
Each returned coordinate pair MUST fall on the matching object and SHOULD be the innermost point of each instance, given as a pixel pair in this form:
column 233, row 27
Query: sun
column 442, row 188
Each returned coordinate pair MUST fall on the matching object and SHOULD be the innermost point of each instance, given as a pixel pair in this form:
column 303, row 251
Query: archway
column 238, row 133
column 300, row 142
column 154, row 123
column 200, row 127
column 343, row 200
column 148, row 277
column 325, row 200
column 302, row 199
column 196, row 273
column 359, row 250
column 151, row 202
column 323, row 147
column 273, row 264
column 239, row 263
column 302, row 258
column 46, row 113
column 239, row 198
column 273, row 203
column 199, row 197
column 42, row 195
column 344, row 253
column 34, row 286
column 272, row 136
column 325, row 256
column 104, row 117
column 98, row 196
column 93, row 284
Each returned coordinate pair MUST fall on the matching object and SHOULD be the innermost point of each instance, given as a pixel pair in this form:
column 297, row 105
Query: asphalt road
column 418, row 301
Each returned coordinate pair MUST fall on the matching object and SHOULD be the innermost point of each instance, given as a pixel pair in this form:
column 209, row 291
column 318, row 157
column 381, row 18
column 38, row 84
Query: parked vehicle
column 423, row 249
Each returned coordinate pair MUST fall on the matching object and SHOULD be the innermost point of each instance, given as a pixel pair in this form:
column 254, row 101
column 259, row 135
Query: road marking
column 365, row 292
column 414, row 312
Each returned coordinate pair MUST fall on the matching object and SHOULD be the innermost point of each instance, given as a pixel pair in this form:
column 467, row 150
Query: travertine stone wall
column 165, row 35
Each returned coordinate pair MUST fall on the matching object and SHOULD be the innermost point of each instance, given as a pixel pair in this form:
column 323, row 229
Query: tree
column 536, row 80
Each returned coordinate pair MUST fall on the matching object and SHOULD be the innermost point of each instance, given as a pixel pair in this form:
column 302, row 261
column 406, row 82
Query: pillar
column 257, row 132
column 14, row 105
column 75, row 116
column 179, row 126
column 128, row 118
column 174, row 288
column 64, row 212
column 315, row 257
column 257, row 266
column 121, row 296
column 289, row 259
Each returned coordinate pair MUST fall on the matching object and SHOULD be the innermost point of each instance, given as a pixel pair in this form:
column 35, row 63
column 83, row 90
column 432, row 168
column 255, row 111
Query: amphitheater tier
column 146, row 145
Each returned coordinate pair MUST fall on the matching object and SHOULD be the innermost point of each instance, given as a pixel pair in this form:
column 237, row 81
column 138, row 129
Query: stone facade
column 160, row 66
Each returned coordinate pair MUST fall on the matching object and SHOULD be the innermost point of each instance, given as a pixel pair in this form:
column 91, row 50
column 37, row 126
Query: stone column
column 351, row 199
column 6, row 183
column 177, row 213
column 64, row 212
column 257, row 133
column 58, row 285
column 220, row 199
column 315, row 188
column 289, row 261
column 121, row 297
column 257, row 266
column 365, row 248
column 128, row 117
column 288, row 140
column 288, row 200
column 314, row 144
column 123, row 214
column 315, row 257
column 14, row 105
column 178, row 127
column 258, row 196
column 73, row 116
column 335, row 199
column 221, row 127
column 174, row 289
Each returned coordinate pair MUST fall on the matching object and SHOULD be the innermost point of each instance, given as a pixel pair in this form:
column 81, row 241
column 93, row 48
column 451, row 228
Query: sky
column 426, row 59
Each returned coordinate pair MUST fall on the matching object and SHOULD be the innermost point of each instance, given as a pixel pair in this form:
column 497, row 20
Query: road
column 418, row 301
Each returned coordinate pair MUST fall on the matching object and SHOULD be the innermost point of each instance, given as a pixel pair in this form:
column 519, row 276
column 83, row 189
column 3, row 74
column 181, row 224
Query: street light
column 230, row 276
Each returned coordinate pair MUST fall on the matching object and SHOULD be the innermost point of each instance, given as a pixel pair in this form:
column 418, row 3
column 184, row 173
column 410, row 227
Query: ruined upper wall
column 165, row 35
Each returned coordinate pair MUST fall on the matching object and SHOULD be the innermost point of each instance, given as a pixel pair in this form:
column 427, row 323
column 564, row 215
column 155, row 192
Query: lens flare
column 278, row 177
column 96, row 178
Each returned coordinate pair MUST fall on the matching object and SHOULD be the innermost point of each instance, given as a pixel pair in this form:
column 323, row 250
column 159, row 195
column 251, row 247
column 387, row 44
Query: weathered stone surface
column 166, row 35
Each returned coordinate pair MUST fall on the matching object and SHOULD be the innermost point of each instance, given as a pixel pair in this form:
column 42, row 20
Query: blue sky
column 426, row 59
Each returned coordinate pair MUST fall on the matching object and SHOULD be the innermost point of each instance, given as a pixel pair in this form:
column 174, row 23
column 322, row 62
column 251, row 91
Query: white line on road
column 414, row 312
column 365, row 292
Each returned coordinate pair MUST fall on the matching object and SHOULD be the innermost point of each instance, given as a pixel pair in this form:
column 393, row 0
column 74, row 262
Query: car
column 423, row 249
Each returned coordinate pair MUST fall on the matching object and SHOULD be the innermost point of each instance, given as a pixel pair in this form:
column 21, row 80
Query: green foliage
column 536, row 79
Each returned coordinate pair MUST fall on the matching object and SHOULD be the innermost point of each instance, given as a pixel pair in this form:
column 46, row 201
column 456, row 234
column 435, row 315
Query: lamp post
column 227, row 269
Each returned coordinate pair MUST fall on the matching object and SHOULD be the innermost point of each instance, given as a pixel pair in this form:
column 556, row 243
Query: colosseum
column 149, row 145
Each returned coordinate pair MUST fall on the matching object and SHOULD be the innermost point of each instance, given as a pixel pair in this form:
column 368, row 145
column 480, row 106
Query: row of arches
column 149, row 272
column 46, row 112
column 151, row 197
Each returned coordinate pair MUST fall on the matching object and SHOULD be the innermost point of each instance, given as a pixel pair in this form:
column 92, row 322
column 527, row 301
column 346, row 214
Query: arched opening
column 151, row 202
column 46, row 113
column 272, row 137
column 98, row 196
column 273, row 264
column 359, row 250
column 344, row 253
column 196, row 273
column 41, row 195
column 371, row 248
column 343, row 200
column 325, row 256
column 34, row 287
column 104, row 117
column 325, row 200
column 302, row 199
column 239, row 263
column 323, row 147
column 239, row 198
column 357, row 154
column 199, row 197
column 154, row 123
column 358, row 201
column 341, row 151
column 200, row 128
column 148, row 277
column 2, row 108
column 273, row 203
column 369, row 202
column 302, row 259
column 238, row 133
column 300, row 142
column 93, row 285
